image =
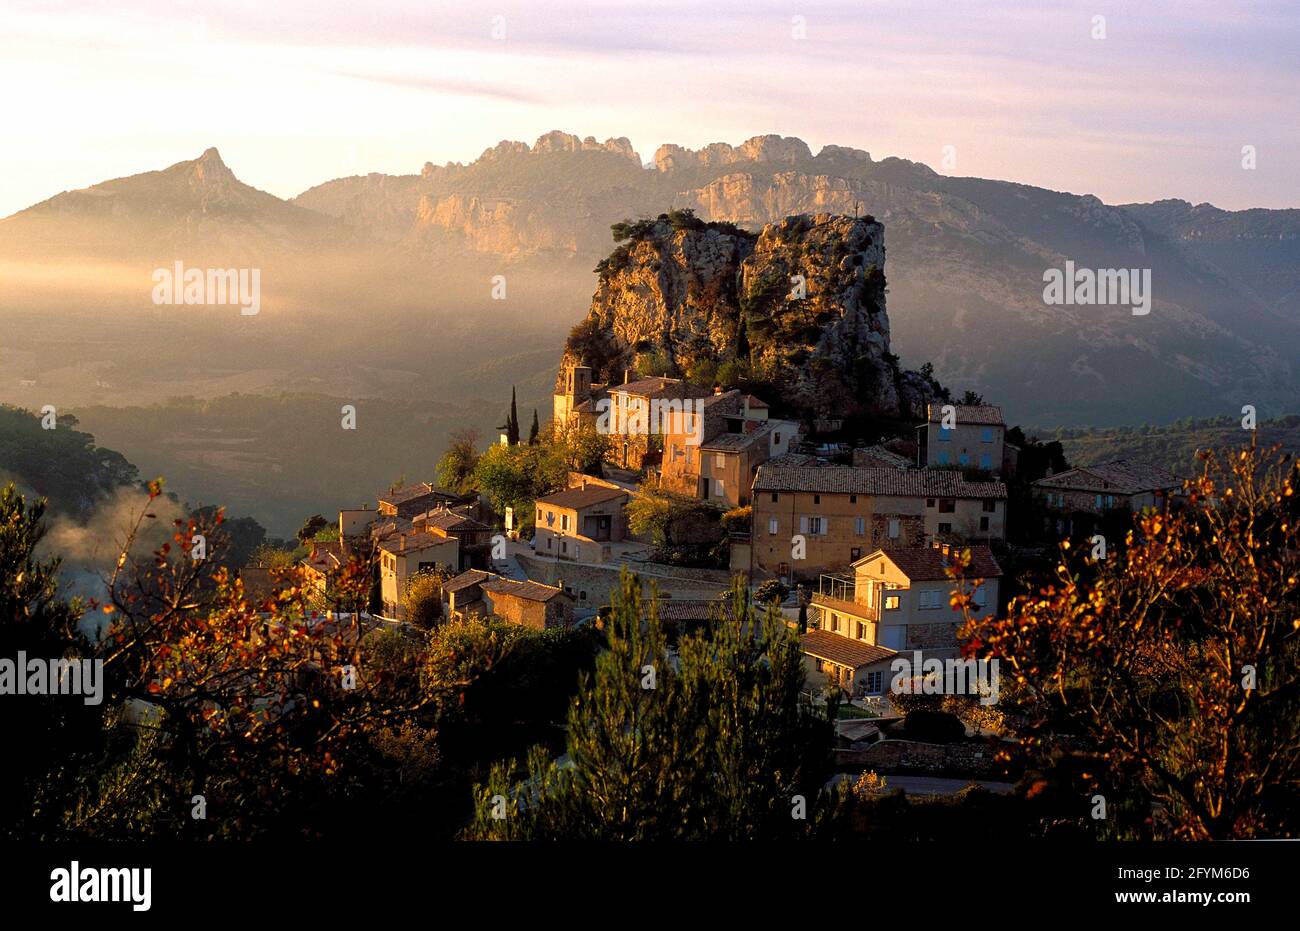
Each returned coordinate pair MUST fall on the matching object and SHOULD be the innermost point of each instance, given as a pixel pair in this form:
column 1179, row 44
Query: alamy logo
column 76, row 884
column 181, row 285
column 33, row 676
column 945, row 677
column 661, row 416
column 1121, row 286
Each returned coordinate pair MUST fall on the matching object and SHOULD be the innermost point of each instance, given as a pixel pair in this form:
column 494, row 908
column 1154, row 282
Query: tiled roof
column 444, row 519
column 1126, row 476
column 691, row 609
column 843, row 651
column 735, row 442
column 756, row 404
column 406, row 493
column 466, row 579
column 969, row 413
column 414, row 541
column 657, row 387
column 575, row 498
column 923, row 483
column 928, row 563
column 883, row 458
column 329, row 556
column 530, row 591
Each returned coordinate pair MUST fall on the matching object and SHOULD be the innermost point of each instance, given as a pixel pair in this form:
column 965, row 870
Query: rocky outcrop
column 798, row 308
column 771, row 148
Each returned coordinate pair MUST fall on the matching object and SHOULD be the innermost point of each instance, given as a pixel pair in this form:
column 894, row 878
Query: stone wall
column 968, row 758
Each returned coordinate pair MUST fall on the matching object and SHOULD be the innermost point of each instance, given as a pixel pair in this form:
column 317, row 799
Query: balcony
column 838, row 593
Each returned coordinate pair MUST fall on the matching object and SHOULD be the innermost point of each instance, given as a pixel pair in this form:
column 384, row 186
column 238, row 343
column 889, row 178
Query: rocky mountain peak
column 798, row 308
column 210, row 169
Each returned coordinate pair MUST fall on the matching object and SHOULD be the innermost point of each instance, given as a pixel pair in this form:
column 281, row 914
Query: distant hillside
column 384, row 281
column 1174, row 446
column 63, row 464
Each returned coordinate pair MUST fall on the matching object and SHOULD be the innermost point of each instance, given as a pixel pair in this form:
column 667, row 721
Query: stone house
column 904, row 595
column 974, row 440
column 857, row 667
column 409, row 500
column 463, row 594
column 474, row 536
column 528, row 604
column 1076, row 500
column 840, row 513
column 402, row 555
column 713, row 454
column 579, row 523
column 320, row 565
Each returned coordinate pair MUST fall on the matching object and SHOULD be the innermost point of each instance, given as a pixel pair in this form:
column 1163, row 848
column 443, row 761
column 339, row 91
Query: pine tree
column 534, row 430
column 719, row 745
column 512, row 425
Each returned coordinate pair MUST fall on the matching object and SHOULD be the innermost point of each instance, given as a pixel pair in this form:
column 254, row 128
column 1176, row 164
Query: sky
column 1154, row 100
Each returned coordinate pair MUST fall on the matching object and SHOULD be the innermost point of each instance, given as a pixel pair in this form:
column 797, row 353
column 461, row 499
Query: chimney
column 401, row 543
column 627, row 373
column 717, row 389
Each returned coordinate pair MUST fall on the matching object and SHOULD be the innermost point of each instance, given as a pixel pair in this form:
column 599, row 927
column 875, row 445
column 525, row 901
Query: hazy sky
column 296, row 92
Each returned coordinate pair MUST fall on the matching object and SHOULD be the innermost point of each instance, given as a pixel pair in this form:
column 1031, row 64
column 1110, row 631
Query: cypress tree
column 512, row 425
column 534, row 430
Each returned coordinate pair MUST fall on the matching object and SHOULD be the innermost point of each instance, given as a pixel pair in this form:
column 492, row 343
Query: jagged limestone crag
column 799, row 306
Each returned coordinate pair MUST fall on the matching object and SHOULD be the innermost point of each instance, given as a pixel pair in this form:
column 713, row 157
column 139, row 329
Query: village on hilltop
column 852, row 543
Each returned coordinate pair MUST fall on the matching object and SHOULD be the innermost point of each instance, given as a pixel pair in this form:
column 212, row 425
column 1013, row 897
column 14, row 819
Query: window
column 853, row 499
column 947, row 505
column 984, row 523
column 986, row 435
column 815, row 526
column 929, row 502
column 875, row 682
column 774, row 497
column 817, row 499
column 582, row 595
column 891, row 602
column 862, row 631
column 928, row 601
column 719, row 490
column 550, row 543
column 893, row 528
column 945, row 528
column 564, row 546
column 1110, row 501
column 855, row 553
column 1099, row 502
column 539, row 515
column 550, row 518
column 772, row 525
column 776, row 439
column 719, row 461
column 821, row 665
column 835, row 622
column 564, row 522
column 989, row 505
column 986, row 461
column 980, row 596
column 860, row 526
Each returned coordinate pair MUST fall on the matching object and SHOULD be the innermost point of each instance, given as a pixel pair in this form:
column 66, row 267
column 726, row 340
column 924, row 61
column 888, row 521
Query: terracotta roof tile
column 843, row 651
column 918, row 483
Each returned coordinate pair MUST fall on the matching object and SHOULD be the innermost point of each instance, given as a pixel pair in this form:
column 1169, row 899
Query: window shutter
column 803, row 524
column 826, row 525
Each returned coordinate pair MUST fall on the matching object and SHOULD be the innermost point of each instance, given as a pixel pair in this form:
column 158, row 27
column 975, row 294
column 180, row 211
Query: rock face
column 798, row 308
